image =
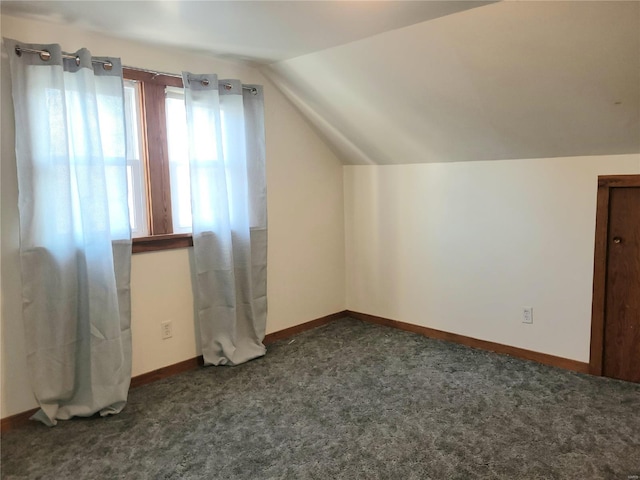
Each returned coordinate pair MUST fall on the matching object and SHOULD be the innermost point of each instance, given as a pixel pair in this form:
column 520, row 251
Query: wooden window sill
column 162, row 242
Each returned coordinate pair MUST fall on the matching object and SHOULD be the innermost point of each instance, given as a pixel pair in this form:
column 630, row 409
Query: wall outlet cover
column 167, row 329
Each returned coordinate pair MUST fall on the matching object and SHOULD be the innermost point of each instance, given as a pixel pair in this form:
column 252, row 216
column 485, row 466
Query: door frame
column 605, row 184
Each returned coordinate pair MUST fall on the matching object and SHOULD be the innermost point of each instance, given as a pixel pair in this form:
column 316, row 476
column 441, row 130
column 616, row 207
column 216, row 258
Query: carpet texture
column 351, row 400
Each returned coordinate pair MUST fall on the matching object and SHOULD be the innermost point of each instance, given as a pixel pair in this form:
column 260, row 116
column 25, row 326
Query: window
column 135, row 155
column 178, row 160
column 157, row 161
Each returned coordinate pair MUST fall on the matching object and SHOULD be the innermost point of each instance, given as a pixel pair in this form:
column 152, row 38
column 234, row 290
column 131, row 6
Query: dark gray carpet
column 357, row 401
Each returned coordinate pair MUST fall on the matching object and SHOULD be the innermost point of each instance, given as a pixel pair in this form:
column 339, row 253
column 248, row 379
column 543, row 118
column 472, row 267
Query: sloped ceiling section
column 504, row 81
column 259, row 31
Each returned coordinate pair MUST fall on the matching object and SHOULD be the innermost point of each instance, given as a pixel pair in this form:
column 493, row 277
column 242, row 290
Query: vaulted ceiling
column 503, row 81
column 417, row 81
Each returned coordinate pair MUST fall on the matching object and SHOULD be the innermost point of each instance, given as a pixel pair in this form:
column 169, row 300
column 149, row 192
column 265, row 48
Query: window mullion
column 158, row 159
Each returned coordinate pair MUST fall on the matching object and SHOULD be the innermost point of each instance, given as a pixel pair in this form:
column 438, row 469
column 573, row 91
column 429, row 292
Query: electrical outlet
column 527, row 315
column 167, row 329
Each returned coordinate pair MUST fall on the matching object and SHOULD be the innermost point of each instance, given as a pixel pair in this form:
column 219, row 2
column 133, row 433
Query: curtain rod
column 45, row 55
column 156, row 73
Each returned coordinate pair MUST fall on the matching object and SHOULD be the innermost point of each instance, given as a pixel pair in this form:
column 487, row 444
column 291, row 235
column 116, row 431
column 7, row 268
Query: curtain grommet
column 227, row 86
column 205, row 82
column 18, row 50
column 77, row 60
column 45, row 56
column 107, row 66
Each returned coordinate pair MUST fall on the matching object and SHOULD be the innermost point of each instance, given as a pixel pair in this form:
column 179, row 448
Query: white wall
column 462, row 247
column 305, row 208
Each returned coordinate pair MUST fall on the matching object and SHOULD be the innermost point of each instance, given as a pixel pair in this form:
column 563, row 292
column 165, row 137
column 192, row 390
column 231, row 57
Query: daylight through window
column 157, row 155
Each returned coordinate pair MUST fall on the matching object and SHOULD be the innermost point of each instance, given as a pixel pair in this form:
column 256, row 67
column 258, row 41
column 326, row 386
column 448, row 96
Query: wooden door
column 622, row 310
column 618, row 247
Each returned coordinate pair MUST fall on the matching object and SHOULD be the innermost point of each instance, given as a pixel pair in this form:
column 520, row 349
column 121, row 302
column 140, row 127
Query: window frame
column 156, row 162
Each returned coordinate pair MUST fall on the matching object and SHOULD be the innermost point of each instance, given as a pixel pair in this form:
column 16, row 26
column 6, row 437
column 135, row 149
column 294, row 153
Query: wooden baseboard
column 543, row 358
column 20, row 419
column 168, row 371
column 289, row 332
column 15, row 421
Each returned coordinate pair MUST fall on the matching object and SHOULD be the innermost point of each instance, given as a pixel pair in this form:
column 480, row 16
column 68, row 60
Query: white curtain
column 75, row 240
column 228, row 200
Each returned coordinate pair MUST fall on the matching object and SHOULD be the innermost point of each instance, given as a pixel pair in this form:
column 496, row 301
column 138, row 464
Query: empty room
column 320, row 239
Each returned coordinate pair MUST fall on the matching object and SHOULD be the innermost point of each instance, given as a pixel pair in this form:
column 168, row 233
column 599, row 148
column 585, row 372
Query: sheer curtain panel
column 75, row 239
column 225, row 122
